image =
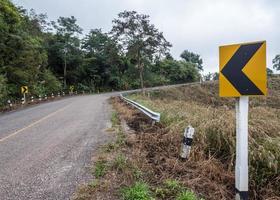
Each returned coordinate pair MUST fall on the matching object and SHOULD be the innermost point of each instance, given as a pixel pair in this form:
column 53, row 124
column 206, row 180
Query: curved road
column 46, row 149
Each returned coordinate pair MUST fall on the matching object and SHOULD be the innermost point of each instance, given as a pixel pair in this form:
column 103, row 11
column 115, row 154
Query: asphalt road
column 46, row 150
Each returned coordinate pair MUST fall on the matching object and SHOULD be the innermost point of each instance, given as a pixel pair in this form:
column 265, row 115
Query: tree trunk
column 141, row 70
column 64, row 72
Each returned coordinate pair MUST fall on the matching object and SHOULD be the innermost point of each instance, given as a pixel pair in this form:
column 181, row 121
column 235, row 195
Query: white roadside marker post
column 52, row 95
column 23, row 99
column 187, row 142
column 32, row 99
column 241, row 166
column 10, row 103
column 40, row 99
column 46, row 97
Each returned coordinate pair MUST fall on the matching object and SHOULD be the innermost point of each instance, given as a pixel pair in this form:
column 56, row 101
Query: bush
column 3, row 90
column 50, row 82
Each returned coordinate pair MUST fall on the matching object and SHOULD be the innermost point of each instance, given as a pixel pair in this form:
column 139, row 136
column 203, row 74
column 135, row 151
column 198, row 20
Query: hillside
column 214, row 121
column 143, row 162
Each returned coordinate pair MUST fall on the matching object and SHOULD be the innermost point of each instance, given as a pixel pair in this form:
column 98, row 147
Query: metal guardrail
column 153, row 115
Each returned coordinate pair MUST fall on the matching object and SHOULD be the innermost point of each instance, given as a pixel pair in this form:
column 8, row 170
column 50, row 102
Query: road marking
column 33, row 124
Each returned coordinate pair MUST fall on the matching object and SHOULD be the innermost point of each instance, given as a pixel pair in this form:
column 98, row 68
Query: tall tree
column 276, row 62
column 142, row 42
column 193, row 58
column 67, row 41
column 102, row 61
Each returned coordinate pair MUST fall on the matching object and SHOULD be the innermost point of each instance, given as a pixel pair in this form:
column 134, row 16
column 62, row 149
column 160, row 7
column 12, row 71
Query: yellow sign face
column 242, row 69
column 24, row 89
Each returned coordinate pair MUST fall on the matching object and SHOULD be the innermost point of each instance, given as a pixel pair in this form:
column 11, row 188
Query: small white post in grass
column 40, row 98
column 241, row 166
column 187, row 142
column 46, row 97
column 58, row 94
column 63, row 93
column 32, row 99
column 52, row 95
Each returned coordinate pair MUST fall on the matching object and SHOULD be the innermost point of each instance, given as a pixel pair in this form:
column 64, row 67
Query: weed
column 100, row 168
column 138, row 191
column 120, row 162
column 187, row 195
column 93, row 184
column 173, row 185
column 115, row 119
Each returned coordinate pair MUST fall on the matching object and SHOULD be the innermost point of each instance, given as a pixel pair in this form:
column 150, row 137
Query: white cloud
column 198, row 25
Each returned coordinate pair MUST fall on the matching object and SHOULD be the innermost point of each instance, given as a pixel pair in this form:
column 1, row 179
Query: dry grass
column 150, row 154
column 214, row 121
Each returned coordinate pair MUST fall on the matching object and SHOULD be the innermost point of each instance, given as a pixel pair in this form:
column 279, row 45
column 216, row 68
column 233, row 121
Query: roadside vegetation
column 118, row 174
column 50, row 56
column 214, row 143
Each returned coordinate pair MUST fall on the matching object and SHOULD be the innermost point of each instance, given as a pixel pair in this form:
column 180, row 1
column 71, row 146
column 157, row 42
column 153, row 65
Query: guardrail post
column 187, row 142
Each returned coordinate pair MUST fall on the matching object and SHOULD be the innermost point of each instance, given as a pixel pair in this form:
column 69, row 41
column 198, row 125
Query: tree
column 192, row 58
column 67, row 42
column 102, row 62
column 269, row 72
column 276, row 62
column 141, row 41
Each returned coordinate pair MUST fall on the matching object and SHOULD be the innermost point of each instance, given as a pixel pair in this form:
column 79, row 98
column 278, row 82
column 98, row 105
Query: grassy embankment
column 214, row 122
column 143, row 164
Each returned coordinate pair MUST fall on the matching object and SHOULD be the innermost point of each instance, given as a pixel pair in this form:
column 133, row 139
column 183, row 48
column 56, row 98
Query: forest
column 50, row 56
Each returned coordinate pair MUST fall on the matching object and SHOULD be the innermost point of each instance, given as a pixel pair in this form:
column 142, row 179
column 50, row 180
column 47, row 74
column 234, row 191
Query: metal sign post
column 241, row 165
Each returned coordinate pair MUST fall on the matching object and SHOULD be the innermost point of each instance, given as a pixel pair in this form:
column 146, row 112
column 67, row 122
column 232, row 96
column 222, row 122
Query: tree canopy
column 48, row 57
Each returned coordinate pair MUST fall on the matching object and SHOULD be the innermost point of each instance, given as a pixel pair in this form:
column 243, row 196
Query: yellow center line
column 33, row 124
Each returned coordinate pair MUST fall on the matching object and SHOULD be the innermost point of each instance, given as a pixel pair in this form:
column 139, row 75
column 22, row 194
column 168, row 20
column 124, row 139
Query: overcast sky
column 200, row 26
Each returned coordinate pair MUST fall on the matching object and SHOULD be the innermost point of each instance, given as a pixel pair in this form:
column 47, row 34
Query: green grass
column 187, row 195
column 120, row 162
column 100, row 168
column 115, row 119
column 173, row 185
column 138, row 191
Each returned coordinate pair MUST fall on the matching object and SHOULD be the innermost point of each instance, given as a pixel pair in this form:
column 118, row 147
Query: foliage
column 187, row 195
column 269, row 72
column 3, row 90
column 139, row 191
column 192, row 58
column 47, row 55
column 276, row 62
column 100, row 168
column 142, row 42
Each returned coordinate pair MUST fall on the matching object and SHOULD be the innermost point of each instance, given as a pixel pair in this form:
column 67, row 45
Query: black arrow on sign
column 24, row 89
column 232, row 70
